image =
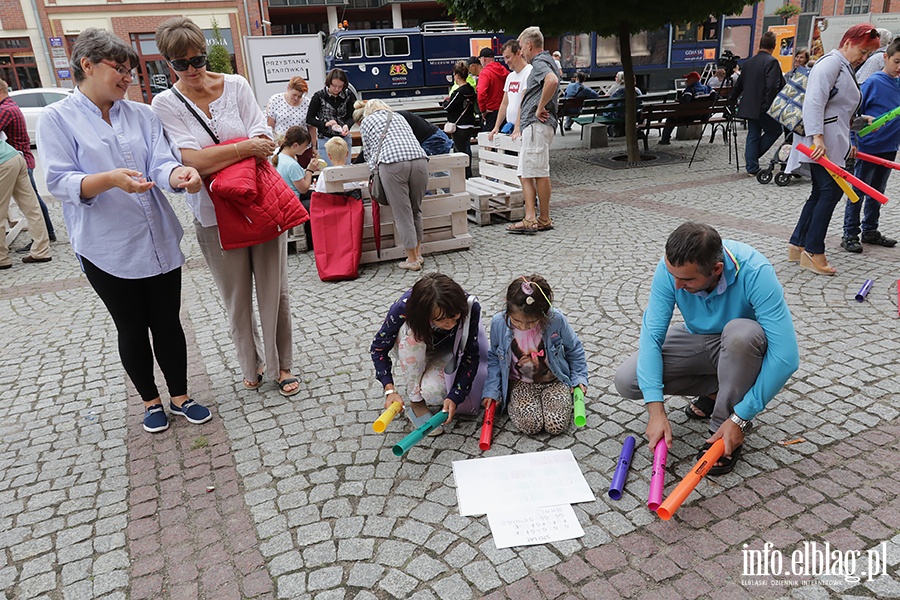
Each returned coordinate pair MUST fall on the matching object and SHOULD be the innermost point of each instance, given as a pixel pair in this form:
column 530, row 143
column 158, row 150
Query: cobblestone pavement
column 298, row 498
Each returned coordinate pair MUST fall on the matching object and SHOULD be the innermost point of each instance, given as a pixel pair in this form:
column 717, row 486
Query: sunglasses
column 182, row 64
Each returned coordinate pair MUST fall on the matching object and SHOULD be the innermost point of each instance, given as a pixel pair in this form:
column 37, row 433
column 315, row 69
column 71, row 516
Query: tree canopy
column 603, row 16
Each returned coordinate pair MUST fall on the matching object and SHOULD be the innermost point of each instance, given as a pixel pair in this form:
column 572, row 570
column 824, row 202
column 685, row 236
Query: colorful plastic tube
column 690, row 481
column 403, row 446
column 487, row 428
column 658, row 475
column 578, row 407
column 621, row 473
column 880, row 122
column 841, row 172
column 864, row 290
column 845, row 187
column 386, row 417
column 878, row 160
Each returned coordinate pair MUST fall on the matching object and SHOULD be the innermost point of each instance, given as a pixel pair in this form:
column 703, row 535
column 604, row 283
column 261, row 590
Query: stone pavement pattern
column 298, row 498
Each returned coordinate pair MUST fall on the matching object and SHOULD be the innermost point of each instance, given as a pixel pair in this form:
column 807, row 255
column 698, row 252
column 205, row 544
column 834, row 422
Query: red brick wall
column 11, row 15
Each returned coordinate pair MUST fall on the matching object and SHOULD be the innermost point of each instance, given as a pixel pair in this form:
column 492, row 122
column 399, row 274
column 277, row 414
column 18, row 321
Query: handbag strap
column 381, row 139
column 178, row 95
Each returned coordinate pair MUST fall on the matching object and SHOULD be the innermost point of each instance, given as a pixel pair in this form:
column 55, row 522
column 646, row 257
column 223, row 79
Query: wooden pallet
column 14, row 224
column 498, row 191
column 494, row 199
column 444, row 213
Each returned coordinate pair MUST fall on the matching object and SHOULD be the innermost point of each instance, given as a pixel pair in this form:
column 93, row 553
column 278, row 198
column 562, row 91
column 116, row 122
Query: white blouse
column 235, row 114
column 285, row 115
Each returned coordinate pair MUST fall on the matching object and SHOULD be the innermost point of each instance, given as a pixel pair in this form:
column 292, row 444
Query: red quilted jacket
column 253, row 203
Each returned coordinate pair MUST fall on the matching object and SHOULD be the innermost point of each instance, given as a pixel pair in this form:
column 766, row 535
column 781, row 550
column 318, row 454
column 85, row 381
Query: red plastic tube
column 840, row 172
column 487, row 429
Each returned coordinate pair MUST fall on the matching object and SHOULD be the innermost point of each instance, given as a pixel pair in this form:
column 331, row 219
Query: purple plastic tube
column 864, row 290
column 658, row 475
column 618, row 480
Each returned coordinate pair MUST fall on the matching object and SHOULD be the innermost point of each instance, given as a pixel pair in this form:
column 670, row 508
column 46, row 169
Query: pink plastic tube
column 658, row 475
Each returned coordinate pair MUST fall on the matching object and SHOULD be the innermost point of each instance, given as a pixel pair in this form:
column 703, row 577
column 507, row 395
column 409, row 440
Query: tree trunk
column 631, row 141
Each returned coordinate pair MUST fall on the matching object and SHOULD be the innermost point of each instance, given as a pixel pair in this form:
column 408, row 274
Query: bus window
column 396, row 46
column 737, row 39
column 330, row 45
column 349, row 48
column 576, row 51
column 373, row 47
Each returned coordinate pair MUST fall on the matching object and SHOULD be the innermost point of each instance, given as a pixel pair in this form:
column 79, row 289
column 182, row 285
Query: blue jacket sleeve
column 386, row 338
column 654, row 326
column 492, row 385
column 782, row 354
column 468, row 365
column 574, row 354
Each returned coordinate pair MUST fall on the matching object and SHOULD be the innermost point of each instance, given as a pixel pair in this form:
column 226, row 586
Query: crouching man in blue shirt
column 737, row 346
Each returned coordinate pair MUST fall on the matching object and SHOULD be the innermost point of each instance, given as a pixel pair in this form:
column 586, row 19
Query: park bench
column 497, row 192
column 444, row 213
column 655, row 116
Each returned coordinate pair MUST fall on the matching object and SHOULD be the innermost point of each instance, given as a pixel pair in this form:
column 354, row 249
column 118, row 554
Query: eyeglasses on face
column 182, row 64
column 122, row 70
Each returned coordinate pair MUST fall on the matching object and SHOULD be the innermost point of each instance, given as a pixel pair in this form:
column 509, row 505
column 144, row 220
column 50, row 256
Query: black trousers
column 140, row 307
column 462, row 142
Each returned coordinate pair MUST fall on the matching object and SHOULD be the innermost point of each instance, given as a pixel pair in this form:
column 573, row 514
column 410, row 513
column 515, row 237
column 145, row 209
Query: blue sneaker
column 155, row 419
column 193, row 412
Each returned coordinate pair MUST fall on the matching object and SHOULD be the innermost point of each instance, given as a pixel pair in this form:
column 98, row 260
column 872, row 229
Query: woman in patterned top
column 428, row 325
column 331, row 111
column 202, row 103
column 289, row 108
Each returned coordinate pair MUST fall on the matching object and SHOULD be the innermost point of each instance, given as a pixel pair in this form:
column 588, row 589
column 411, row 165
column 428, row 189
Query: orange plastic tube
column 690, row 481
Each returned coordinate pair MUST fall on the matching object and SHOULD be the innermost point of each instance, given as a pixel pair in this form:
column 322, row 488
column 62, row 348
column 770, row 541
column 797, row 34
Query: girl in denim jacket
column 535, row 359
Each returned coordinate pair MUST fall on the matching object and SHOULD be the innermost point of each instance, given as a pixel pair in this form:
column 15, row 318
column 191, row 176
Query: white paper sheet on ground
column 509, row 483
column 529, row 526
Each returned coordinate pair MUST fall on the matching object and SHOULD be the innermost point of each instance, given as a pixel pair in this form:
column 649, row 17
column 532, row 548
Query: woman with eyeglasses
column 331, row 111
column 831, row 101
column 107, row 160
column 200, row 104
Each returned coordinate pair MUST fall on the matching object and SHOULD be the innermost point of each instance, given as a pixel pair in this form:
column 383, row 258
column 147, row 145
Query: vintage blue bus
column 662, row 55
column 386, row 63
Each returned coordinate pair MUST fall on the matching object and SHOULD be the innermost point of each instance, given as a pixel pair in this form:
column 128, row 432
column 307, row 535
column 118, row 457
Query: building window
column 811, row 6
column 17, row 65
column 856, row 7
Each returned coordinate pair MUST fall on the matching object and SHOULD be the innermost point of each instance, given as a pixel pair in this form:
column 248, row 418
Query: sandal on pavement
column 253, row 386
column 286, row 382
column 411, row 266
column 704, row 404
column 794, row 253
column 725, row 465
column 817, row 263
column 544, row 225
column 526, row 225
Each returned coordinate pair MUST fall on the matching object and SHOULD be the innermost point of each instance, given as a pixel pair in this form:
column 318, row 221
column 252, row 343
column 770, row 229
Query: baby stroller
column 780, row 160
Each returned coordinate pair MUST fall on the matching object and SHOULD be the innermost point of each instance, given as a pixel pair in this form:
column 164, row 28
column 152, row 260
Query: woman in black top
column 331, row 111
column 461, row 112
column 433, row 140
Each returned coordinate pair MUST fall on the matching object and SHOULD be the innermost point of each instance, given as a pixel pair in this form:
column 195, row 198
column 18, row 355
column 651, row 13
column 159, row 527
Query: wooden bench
column 592, row 109
column 497, row 192
column 444, row 213
column 698, row 112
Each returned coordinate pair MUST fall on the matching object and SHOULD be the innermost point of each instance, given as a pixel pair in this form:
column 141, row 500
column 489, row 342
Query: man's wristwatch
column 744, row 425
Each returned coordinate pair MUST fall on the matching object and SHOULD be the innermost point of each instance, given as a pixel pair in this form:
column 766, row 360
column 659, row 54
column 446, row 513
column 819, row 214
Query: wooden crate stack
column 497, row 192
column 443, row 212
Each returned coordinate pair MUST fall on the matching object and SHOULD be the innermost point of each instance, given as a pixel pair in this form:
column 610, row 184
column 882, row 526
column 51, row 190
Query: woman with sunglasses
column 106, row 159
column 202, row 103
column 831, row 101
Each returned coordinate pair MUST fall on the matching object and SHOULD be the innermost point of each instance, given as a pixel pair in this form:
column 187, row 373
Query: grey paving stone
column 328, row 577
column 364, row 575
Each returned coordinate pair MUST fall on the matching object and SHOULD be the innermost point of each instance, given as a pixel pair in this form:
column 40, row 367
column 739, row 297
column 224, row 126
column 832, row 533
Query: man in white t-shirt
column 513, row 89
